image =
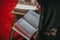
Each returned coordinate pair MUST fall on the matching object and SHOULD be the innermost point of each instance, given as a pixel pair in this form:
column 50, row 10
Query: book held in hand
column 27, row 25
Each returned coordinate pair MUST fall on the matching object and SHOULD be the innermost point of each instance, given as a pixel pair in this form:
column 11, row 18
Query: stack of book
column 23, row 6
column 27, row 25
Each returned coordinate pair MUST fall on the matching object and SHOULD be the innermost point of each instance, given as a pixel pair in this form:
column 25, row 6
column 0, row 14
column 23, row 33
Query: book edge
column 20, row 33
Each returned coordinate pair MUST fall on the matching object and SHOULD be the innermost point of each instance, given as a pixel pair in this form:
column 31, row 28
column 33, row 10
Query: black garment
column 50, row 17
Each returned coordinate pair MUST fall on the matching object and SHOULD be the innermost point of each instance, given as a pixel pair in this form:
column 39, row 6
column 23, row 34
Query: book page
column 26, row 27
column 32, row 18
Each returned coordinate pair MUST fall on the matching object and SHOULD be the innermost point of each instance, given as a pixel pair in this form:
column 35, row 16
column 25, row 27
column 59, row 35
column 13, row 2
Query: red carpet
column 6, row 18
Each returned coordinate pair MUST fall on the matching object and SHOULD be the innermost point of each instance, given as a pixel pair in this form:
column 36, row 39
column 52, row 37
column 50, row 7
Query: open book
column 27, row 25
column 25, row 5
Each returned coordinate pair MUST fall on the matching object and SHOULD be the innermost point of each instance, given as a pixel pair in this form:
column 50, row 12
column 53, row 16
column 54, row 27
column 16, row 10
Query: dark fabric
column 50, row 17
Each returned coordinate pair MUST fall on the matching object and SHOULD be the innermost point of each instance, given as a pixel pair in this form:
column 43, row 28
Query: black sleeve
column 39, row 1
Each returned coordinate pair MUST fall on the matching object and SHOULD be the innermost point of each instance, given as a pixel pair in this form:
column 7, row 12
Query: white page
column 26, row 7
column 26, row 27
column 32, row 18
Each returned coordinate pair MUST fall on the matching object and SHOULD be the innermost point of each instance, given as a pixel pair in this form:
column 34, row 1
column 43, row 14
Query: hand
column 38, row 9
column 35, row 36
column 51, row 32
